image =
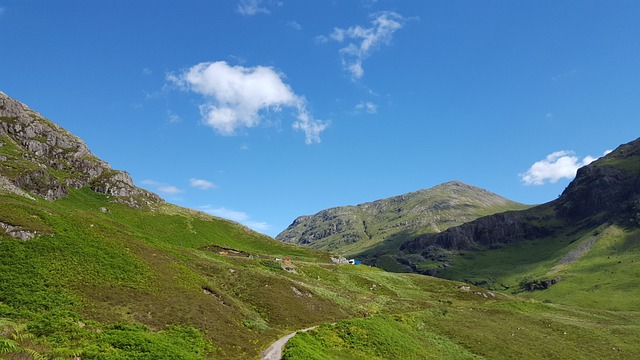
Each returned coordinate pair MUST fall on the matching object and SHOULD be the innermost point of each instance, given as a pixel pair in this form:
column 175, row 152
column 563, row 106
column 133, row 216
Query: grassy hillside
column 598, row 268
column 126, row 266
column 141, row 284
column 381, row 226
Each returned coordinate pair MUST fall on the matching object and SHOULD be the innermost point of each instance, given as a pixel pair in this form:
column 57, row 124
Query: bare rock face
column 120, row 185
column 44, row 159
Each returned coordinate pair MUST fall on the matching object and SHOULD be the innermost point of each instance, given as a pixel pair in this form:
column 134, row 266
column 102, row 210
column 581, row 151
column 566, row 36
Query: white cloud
column 147, row 72
column 294, row 25
column 557, row 165
column 237, row 216
column 169, row 189
column 251, row 7
column 368, row 107
column 238, row 96
column 202, row 184
column 365, row 40
column 162, row 187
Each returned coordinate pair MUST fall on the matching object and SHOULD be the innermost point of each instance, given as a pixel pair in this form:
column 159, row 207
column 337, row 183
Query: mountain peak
column 354, row 229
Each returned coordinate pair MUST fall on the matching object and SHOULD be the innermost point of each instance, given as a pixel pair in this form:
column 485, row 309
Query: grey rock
column 47, row 151
column 17, row 232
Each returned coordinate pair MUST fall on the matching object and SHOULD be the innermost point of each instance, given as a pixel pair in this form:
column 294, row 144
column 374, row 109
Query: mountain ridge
column 357, row 228
column 607, row 190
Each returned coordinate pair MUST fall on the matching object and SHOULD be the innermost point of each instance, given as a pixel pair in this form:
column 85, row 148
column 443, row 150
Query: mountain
column 92, row 267
column 595, row 221
column 384, row 224
column 605, row 191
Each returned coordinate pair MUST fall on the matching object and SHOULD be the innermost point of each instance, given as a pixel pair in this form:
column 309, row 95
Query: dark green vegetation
column 374, row 231
column 92, row 267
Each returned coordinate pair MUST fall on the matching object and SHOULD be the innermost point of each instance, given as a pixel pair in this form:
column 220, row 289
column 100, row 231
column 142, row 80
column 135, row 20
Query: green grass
column 494, row 330
column 150, row 284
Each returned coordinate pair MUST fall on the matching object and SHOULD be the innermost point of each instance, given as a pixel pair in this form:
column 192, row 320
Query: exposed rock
column 45, row 159
column 43, row 184
column 120, row 185
column 17, row 232
column 489, row 231
column 543, row 284
column 8, row 186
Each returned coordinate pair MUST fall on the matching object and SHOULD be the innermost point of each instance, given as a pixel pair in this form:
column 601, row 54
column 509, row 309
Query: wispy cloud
column 173, row 118
column 202, row 184
column 251, row 7
column 238, row 96
column 162, row 187
column 564, row 75
column 557, row 165
column 361, row 42
column 237, row 216
column 294, row 25
column 368, row 107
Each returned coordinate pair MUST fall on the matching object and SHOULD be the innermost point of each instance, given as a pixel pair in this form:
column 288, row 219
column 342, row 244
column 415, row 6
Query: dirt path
column 274, row 351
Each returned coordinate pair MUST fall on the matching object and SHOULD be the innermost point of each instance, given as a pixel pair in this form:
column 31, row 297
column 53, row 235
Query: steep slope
column 40, row 157
column 384, row 224
column 607, row 190
column 593, row 222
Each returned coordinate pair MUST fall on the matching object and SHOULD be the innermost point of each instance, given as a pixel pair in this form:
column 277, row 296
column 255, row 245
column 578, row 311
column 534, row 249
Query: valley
column 93, row 267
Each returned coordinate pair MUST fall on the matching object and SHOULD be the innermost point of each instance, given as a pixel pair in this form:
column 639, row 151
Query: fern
column 8, row 345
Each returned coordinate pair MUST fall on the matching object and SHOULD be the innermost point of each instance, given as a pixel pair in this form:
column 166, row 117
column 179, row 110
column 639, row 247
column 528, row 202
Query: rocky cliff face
column 40, row 157
column 607, row 190
column 352, row 229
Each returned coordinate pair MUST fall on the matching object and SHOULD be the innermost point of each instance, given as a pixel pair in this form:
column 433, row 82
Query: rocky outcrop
column 120, row 185
column 44, row 159
column 420, row 212
column 17, row 232
column 6, row 186
column 489, row 231
column 609, row 186
column 607, row 190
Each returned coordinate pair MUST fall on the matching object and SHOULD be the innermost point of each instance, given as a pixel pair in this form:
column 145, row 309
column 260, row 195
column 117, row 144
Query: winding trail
column 274, row 351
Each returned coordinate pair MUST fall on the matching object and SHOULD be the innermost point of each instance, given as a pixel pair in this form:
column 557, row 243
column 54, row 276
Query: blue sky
column 261, row 111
